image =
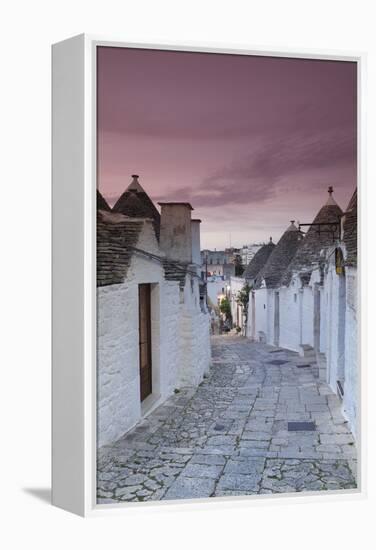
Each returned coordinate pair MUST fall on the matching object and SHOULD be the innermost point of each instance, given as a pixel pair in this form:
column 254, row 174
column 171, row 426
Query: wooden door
column 144, row 315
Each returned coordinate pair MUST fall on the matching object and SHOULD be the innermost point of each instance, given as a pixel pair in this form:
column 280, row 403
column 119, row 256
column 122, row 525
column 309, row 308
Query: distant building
column 248, row 251
column 217, row 288
column 218, row 262
column 237, row 311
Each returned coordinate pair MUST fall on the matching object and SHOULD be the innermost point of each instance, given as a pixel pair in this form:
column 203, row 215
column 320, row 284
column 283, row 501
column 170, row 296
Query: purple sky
column 252, row 142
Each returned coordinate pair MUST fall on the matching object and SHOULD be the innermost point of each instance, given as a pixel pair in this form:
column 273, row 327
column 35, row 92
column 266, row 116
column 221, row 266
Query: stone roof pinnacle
column 330, row 200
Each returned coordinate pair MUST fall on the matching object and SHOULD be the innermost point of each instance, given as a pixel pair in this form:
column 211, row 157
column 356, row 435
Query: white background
column 27, row 30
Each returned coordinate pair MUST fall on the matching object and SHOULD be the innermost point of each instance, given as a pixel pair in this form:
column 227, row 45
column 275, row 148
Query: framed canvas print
column 206, row 288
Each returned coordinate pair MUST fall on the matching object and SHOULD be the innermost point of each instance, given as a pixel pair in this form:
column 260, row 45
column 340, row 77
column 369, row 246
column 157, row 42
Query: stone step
column 306, row 351
column 321, row 361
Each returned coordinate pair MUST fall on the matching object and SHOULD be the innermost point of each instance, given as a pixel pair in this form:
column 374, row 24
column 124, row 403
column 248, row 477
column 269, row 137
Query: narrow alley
column 261, row 422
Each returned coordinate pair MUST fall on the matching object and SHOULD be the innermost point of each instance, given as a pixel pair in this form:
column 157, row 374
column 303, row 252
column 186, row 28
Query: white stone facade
column 321, row 316
column 341, row 337
column 291, row 300
column 179, row 335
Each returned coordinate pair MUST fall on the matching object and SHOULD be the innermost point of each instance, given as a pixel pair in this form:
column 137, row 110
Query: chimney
column 176, row 233
column 196, row 245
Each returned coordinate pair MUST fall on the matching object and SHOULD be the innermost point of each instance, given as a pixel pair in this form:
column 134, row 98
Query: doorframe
column 152, row 400
column 148, row 339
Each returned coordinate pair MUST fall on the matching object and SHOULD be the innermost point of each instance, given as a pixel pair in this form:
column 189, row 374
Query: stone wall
column 350, row 403
column 289, row 316
column 342, row 337
column 261, row 317
column 324, row 307
column 307, row 316
column 334, row 334
column 331, row 283
column 193, row 336
column 118, row 389
column 180, row 342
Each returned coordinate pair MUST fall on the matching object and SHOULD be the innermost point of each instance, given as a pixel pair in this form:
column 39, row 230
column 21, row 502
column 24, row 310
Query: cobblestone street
column 230, row 436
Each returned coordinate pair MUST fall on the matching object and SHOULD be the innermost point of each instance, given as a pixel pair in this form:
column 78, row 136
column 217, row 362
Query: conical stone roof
column 258, row 261
column 133, row 207
column 136, row 203
column 280, row 258
column 101, row 203
column 317, row 238
column 350, row 231
column 115, row 242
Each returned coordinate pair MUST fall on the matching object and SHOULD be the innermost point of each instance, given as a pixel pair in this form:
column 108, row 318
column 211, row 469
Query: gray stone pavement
column 230, row 435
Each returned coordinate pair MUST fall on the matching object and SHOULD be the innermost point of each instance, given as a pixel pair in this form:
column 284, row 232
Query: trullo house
column 152, row 322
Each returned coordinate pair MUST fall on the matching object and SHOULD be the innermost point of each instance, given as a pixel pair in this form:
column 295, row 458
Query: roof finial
column 271, row 239
column 330, row 190
column 292, row 222
column 135, row 184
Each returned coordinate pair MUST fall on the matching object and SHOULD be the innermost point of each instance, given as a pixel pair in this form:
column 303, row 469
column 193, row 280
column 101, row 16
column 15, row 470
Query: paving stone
column 202, row 470
column 126, row 492
column 256, row 436
column 186, row 487
column 249, row 466
column 217, row 440
column 215, row 459
column 239, row 482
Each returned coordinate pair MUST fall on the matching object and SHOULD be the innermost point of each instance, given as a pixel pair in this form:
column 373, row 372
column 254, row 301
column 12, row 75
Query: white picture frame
column 74, row 267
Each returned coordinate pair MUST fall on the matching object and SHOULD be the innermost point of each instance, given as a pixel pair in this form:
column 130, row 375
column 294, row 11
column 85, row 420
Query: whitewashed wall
column 324, row 307
column 338, row 321
column 351, row 351
column 193, row 336
column 180, row 342
column 289, row 336
column 170, row 315
column 331, row 282
column 251, row 320
column 270, row 316
column 119, row 406
column 236, row 285
column 307, row 316
column 261, row 305
column 342, row 364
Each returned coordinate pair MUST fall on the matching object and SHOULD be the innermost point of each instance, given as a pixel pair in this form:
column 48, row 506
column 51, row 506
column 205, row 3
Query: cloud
column 265, row 171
